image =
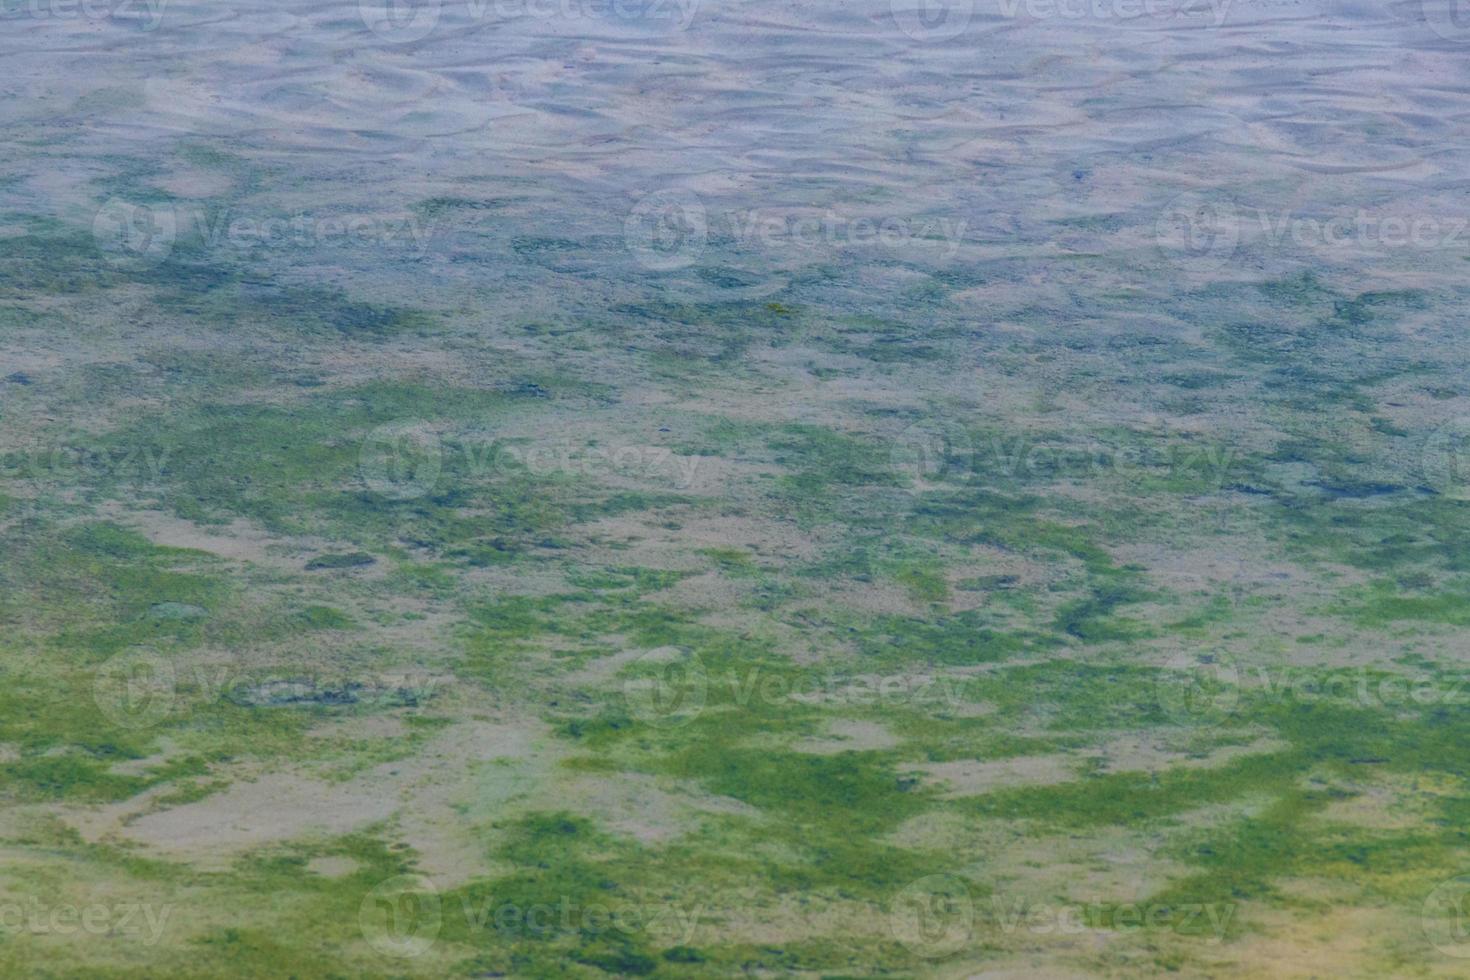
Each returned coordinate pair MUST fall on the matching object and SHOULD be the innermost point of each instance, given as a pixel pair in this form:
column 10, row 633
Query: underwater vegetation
column 767, row 492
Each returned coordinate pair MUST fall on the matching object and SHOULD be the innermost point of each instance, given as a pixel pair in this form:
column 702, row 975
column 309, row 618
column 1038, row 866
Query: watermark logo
column 1199, row 229
column 224, row 229
column 923, row 451
column 408, row 459
column 667, row 230
column 1022, row 457
column 142, row 922
column 140, row 689
column 1445, row 917
column 400, row 21
column 934, row 916
column 406, row 21
column 665, row 922
column 1208, row 689
column 1195, row 919
column 1212, row 12
column 1198, row 233
column 401, row 916
column 1349, row 686
column 671, row 14
column 667, row 689
column 401, row 460
column 663, row 16
column 146, row 14
column 927, row 450
column 1194, row 690
column 1363, row 230
column 126, row 232
column 1446, row 458
column 134, row 689
column 70, row 464
column 809, row 229
column 1450, row 19
column 253, row 687
column 932, row 20
column 565, row 456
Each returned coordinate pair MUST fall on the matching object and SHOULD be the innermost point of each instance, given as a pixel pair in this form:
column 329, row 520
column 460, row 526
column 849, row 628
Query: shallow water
column 1059, row 141
column 841, row 473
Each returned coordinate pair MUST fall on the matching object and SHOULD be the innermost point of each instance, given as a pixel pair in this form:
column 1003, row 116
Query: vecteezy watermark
column 1450, row 19
column 925, row 451
column 1198, row 689
column 407, row 21
column 128, row 232
column 932, row 20
column 409, row 459
column 665, row 921
column 401, row 460
column 1205, row 233
column 667, row 687
column 1207, row 688
column 938, row 916
column 139, row 688
column 1357, row 686
column 1197, row 232
column 1361, row 229
column 225, row 229
column 933, row 452
column 141, row 921
column 1210, row 12
column 1024, row 457
column 670, row 229
column 1445, row 460
column 1445, row 917
column 257, row 687
column 403, row 917
column 400, row 21
column 541, row 458
column 664, row 16
column 934, row 916
column 134, row 689
column 146, row 15
column 667, row 230
column 1208, row 920
column 829, row 229
column 69, row 464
